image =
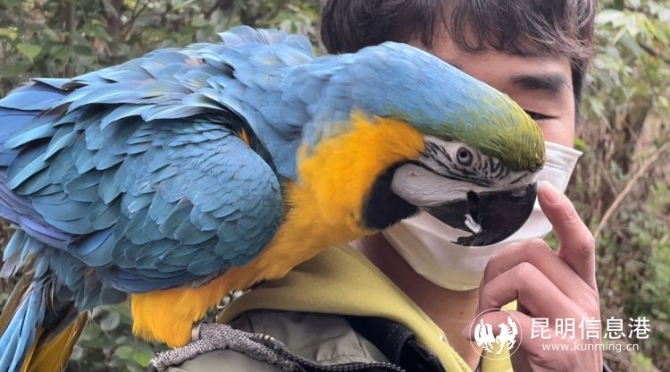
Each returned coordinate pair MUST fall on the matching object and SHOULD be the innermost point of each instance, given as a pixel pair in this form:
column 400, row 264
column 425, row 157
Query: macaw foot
column 208, row 337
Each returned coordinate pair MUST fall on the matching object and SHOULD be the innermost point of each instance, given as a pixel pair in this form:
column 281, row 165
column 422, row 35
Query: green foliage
column 67, row 37
column 620, row 186
column 107, row 343
column 619, row 192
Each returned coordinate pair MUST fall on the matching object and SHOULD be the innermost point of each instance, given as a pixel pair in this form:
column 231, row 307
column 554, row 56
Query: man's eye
column 536, row 116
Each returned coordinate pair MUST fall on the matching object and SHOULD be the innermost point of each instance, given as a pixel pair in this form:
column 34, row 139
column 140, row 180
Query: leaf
column 614, row 17
column 29, row 50
column 11, row 3
column 15, row 69
column 9, row 33
column 77, row 353
column 143, row 355
column 100, row 32
column 50, row 34
column 60, row 52
column 580, row 144
column 631, row 45
column 110, row 321
column 124, row 352
column 657, row 32
column 82, row 49
column 199, row 22
column 92, row 332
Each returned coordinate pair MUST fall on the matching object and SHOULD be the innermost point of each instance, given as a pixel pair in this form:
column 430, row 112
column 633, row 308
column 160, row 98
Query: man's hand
column 549, row 285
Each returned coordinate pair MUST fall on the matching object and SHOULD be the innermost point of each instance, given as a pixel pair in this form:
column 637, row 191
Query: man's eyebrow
column 550, row 82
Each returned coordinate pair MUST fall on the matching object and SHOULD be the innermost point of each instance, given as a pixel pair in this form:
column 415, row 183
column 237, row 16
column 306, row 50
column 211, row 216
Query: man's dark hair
column 520, row 27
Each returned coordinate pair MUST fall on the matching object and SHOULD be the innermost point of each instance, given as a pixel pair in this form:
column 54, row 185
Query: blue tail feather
column 20, row 334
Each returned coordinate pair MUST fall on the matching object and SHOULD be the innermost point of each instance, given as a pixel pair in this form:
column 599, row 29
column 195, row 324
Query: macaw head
column 424, row 136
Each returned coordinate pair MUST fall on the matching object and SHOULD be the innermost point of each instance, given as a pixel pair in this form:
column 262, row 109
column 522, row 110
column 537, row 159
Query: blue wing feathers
column 82, row 157
column 122, row 112
column 33, row 129
column 133, row 178
column 35, row 183
column 21, row 330
column 104, row 215
column 63, row 137
column 33, row 97
column 58, row 84
column 25, row 165
column 108, row 189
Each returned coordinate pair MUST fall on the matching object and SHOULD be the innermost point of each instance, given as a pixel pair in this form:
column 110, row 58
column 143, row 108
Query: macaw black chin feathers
column 384, row 208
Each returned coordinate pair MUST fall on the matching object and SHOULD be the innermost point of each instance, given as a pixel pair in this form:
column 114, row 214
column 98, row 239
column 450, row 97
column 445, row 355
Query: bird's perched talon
column 221, row 337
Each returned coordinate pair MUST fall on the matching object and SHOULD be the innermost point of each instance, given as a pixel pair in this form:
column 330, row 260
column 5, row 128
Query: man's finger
column 577, row 243
column 529, row 286
column 537, row 253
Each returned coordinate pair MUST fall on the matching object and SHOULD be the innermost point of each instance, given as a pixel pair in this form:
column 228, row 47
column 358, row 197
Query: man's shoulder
column 325, row 339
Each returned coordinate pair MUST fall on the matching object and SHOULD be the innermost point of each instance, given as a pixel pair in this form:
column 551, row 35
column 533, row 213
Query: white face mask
column 427, row 244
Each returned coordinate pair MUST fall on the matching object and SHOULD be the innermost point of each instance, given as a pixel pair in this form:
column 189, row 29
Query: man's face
column 542, row 86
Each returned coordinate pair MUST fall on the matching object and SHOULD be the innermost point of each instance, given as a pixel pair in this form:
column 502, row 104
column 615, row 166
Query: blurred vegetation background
column 620, row 187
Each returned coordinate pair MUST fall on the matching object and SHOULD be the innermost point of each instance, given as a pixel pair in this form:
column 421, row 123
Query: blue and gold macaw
column 182, row 175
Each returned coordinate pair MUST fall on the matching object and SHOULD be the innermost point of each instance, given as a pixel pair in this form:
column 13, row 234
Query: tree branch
column 71, row 26
column 126, row 28
column 652, row 52
column 629, row 187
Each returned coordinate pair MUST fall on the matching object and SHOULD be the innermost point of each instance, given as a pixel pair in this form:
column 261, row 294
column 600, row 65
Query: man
column 387, row 308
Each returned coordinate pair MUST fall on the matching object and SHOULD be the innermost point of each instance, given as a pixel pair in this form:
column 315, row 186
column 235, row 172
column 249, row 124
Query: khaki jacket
column 337, row 310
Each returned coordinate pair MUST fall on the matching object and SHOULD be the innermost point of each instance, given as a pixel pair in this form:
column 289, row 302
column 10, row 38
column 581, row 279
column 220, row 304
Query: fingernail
column 550, row 193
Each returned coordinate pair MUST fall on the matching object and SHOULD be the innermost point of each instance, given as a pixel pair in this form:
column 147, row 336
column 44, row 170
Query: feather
column 122, row 112
column 103, row 216
column 81, row 182
column 175, row 217
column 39, row 128
column 35, row 183
column 55, row 347
column 56, row 83
column 96, row 250
column 33, row 97
column 124, row 92
column 83, row 157
column 48, row 235
column 133, row 204
column 108, row 190
column 25, row 166
column 124, row 74
column 21, row 330
column 63, row 137
column 170, row 112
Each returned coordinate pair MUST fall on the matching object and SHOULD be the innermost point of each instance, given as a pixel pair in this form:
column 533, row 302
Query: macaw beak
column 489, row 216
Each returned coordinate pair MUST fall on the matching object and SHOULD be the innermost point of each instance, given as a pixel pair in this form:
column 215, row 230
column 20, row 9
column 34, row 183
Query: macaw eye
column 464, row 156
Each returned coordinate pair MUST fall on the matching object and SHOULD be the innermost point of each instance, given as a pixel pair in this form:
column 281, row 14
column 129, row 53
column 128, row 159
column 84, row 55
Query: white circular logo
column 498, row 341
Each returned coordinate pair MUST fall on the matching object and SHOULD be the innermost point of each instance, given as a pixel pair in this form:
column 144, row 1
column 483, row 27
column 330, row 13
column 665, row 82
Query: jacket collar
column 324, row 285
